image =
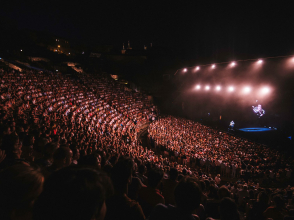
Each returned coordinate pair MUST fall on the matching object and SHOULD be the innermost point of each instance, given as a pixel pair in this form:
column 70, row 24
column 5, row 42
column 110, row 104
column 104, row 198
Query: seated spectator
column 228, row 210
column 243, row 194
column 72, row 193
column 223, row 192
column 47, row 159
column 120, row 206
column 275, row 210
column 169, row 185
column 141, row 173
column 213, row 202
column 259, row 207
column 12, row 148
column 135, row 187
column 20, row 185
column 27, row 148
column 217, row 179
column 76, row 155
column 62, row 158
column 150, row 196
column 90, row 161
column 187, row 196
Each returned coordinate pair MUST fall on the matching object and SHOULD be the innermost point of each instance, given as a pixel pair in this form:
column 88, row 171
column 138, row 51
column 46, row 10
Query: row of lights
column 246, row 89
column 213, row 66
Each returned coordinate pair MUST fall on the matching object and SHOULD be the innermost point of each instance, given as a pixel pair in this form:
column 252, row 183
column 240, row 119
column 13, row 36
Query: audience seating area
column 70, row 149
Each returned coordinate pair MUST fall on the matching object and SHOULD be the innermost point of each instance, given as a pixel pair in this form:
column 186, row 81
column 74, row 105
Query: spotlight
column 247, row 89
column 231, row 89
column 213, row 66
column 233, row 64
column 265, row 90
column 185, row 70
column 259, row 61
column 197, row 68
column 218, row 88
column 207, row 87
column 198, row 87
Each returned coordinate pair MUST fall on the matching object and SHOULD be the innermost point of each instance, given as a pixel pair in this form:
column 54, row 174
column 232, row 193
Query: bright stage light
column 231, row 89
column 218, row 88
column 233, row 64
column 198, row 87
column 265, row 90
column 197, row 68
column 185, row 70
column 213, row 66
column 260, row 61
column 247, row 89
column 207, row 87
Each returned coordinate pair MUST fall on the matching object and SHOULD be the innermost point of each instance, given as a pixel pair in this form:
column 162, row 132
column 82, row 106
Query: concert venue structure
column 139, row 110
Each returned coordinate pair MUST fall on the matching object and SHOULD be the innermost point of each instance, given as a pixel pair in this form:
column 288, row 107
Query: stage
column 265, row 135
column 257, row 129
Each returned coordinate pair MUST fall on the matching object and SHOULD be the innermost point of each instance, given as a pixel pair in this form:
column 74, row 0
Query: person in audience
column 141, row 173
column 242, row 194
column 275, row 211
column 187, row 196
column 150, row 195
column 134, row 188
column 90, row 160
column 217, row 179
column 62, row 158
column 213, row 203
column 47, row 159
column 72, row 193
column 27, row 147
column 76, row 155
column 259, row 207
column 120, row 206
column 223, row 192
column 20, row 186
column 12, row 147
column 169, row 185
column 228, row 210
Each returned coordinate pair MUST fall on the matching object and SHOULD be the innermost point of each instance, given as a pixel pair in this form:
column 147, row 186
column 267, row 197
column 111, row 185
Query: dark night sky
column 216, row 30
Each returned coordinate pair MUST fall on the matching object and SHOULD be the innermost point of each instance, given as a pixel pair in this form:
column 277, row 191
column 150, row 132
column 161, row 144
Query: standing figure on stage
column 258, row 110
column 232, row 124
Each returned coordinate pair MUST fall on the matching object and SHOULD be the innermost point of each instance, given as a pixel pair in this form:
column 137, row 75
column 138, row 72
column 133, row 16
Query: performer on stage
column 232, row 124
column 258, row 110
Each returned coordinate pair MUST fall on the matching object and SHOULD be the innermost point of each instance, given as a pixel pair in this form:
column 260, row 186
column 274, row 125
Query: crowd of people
column 70, row 149
column 196, row 145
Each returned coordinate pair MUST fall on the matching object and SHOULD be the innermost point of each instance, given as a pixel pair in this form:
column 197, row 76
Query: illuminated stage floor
column 270, row 136
column 256, row 129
